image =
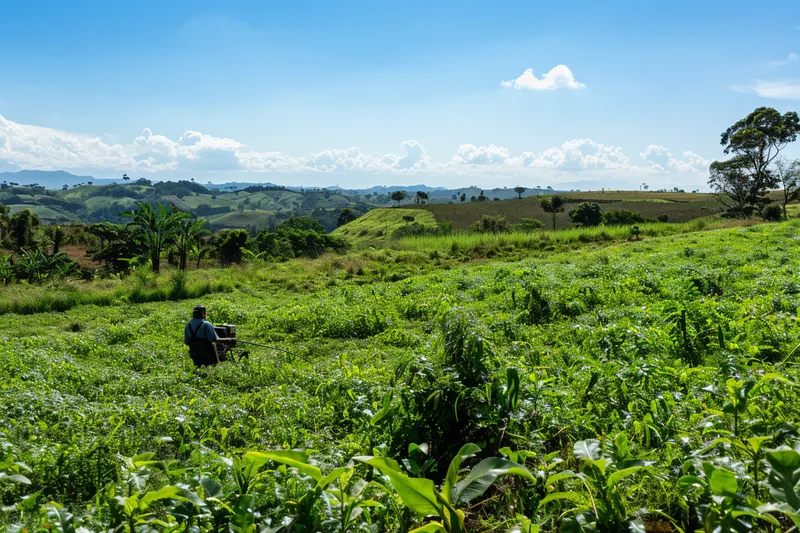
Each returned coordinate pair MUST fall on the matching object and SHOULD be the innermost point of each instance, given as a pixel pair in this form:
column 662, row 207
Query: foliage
column 490, row 224
column 300, row 223
column 623, row 217
column 553, row 204
column 155, row 228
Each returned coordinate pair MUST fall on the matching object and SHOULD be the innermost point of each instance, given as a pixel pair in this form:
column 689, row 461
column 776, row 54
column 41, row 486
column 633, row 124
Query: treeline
column 153, row 234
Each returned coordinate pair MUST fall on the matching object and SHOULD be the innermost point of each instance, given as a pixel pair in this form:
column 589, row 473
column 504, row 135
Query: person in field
column 205, row 347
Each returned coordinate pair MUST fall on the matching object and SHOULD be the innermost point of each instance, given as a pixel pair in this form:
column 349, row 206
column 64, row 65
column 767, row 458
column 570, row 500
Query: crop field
column 678, row 207
column 636, row 386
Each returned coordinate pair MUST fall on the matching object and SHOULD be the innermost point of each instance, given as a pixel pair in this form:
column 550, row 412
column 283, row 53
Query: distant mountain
column 51, row 179
column 384, row 189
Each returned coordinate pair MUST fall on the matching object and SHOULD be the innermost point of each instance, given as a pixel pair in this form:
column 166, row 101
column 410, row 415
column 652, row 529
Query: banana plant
column 351, row 501
column 423, row 498
column 598, row 500
column 135, row 509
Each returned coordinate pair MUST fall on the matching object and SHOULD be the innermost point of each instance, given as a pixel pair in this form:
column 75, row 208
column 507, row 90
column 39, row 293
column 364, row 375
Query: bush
column 624, row 217
column 587, row 214
column 490, row 224
column 530, row 224
column 772, row 212
column 301, row 223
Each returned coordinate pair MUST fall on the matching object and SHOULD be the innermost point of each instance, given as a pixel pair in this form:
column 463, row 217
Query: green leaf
column 723, row 482
column 385, row 409
column 418, row 494
column 430, row 527
column 784, row 476
column 466, row 451
column 587, row 449
column 60, row 520
column 330, row 478
column 483, row 475
column 619, row 475
column 292, row 458
column 14, row 478
column 575, row 497
column 170, row 492
column 242, row 519
column 565, row 474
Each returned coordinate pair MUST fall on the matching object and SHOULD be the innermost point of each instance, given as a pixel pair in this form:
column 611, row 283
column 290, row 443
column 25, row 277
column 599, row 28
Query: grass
column 379, row 226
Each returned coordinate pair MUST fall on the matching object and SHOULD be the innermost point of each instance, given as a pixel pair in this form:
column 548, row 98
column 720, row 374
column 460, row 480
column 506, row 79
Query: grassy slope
column 378, row 225
column 679, row 207
column 45, row 214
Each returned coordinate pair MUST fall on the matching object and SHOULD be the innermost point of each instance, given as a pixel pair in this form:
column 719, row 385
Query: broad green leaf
column 784, row 508
column 169, row 492
column 576, row 497
column 587, row 449
column 483, row 475
column 784, row 477
column 430, row 527
column 292, row 458
column 723, row 482
column 242, row 519
column 330, row 478
column 565, row 474
column 14, row 478
column 384, row 410
column 418, row 494
column 466, row 451
column 619, row 475
column 759, row 516
column 60, row 520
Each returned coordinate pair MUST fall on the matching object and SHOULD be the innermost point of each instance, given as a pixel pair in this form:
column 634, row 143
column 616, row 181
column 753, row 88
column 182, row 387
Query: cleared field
column 45, row 214
column 678, row 207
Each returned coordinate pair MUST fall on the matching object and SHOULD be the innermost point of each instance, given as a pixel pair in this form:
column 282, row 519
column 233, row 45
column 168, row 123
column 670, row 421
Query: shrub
column 587, row 214
column 772, row 212
column 490, row 224
column 530, row 224
column 624, row 217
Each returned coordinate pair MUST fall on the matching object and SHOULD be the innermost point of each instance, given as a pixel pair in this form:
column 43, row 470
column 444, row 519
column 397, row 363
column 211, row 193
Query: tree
column 155, row 227
column 399, row 196
column 587, row 214
column 21, row 226
column 420, row 197
column 482, row 197
column 463, row 197
column 754, row 142
column 788, row 174
column 301, row 223
column 519, row 191
column 553, row 204
column 125, row 177
column 229, row 245
column 345, row 217
column 189, row 232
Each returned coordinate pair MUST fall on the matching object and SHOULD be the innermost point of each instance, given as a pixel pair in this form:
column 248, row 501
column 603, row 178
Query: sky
column 578, row 94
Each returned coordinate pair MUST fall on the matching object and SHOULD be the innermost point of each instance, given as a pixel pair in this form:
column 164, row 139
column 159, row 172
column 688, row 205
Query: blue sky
column 367, row 93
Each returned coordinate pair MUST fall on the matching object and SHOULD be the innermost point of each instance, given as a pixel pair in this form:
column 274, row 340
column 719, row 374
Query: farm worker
column 200, row 337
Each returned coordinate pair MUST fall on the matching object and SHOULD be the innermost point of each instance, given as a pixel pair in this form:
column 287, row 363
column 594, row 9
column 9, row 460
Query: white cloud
column 197, row 154
column 34, row 147
column 578, row 154
column 791, row 58
column 559, row 77
column 779, row 90
column 662, row 159
column 469, row 154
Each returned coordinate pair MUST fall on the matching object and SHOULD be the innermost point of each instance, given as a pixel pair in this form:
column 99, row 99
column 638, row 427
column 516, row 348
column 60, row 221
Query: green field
column 381, row 226
column 662, row 370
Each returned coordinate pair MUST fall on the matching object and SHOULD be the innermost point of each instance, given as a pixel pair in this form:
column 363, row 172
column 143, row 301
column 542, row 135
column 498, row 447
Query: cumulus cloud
column 31, row 147
column 660, row 158
column 469, row 154
column 578, row 154
column 559, row 77
column 35, row 147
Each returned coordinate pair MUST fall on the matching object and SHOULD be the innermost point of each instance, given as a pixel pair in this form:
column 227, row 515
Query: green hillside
column 380, row 225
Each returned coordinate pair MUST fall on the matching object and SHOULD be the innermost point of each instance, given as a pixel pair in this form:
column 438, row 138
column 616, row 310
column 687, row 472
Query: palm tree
column 189, row 233
column 155, row 227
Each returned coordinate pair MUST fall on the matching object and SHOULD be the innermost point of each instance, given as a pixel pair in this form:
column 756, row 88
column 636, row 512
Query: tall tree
column 189, row 231
column 788, row 174
column 553, row 204
column 420, row 197
column 155, row 227
column 754, row 142
column 22, row 226
column 519, row 191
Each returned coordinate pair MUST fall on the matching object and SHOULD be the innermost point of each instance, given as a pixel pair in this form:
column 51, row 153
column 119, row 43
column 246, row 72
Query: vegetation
column 603, row 391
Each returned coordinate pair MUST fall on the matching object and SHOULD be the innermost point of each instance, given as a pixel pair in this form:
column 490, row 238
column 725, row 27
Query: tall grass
column 544, row 240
